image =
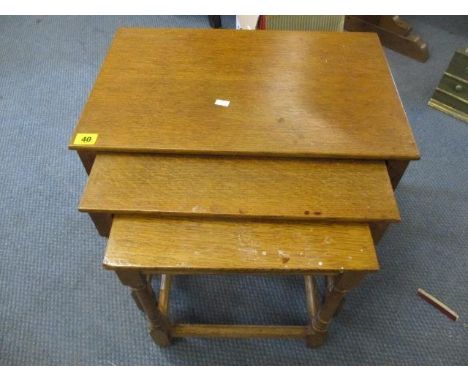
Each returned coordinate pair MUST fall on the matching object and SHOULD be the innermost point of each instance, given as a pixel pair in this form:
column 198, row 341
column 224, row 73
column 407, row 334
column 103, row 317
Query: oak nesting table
column 221, row 151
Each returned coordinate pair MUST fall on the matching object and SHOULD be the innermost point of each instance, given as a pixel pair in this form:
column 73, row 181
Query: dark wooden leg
column 103, row 223
column 377, row 230
column 164, row 294
column 317, row 333
column 87, row 158
column 312, row 297
column 396, row 169
column 329, row 282
column 215, row 21
column 137, row 301
column 142, row 291
column 393, row 32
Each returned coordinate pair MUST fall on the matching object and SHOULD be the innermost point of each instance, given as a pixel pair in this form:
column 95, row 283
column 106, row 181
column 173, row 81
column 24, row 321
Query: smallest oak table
column 217, row 151
column 140, row 246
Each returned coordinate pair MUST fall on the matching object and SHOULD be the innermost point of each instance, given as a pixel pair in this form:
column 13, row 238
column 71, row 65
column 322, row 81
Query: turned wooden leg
column 342, row 284
column 329, row 282
column 102, row 222
column 135, row 297
column 312, row 296
column 141, row 290
column 164, row 294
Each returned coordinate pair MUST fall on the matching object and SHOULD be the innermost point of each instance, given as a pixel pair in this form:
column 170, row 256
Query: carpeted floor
column 57, row 304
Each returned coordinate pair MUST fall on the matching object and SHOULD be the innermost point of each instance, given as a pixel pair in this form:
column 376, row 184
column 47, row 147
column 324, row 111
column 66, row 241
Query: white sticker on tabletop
column 222, row 102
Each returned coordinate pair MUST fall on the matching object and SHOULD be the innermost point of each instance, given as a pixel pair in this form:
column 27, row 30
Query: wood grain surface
column 180, row 245
column 240, row 188
column 302, row 94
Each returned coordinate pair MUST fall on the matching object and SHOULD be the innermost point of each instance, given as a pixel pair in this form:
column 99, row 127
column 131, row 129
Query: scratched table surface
column 269, row 93
column 188, row 245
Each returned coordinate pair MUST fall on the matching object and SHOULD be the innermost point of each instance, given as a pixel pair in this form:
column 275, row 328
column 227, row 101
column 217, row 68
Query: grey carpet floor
column 58, row 306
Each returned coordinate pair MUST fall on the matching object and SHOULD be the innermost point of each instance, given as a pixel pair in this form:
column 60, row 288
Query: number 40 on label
column 85, row 139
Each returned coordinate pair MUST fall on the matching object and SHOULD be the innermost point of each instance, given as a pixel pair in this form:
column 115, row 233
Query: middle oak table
column 247, row 188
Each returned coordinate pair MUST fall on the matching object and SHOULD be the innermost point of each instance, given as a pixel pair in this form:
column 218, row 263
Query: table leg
column 87, row 159
column 143, row 293
column 396, row 169
column 377, row 230
column 103, row 223
column 329, row 282
column 312, row 296
column 317, row 333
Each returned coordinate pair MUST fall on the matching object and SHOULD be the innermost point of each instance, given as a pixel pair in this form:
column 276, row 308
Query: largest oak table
column 290, row 94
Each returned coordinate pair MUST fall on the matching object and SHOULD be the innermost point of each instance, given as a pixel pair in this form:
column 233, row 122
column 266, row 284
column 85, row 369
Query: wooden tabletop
column 203, row 245
column 304, row 94
column 288, row 189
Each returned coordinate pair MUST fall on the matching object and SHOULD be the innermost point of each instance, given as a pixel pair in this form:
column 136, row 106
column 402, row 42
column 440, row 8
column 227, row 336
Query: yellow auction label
column 85, row 139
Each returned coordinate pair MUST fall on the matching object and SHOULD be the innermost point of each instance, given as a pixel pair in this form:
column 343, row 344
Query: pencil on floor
column 438, row 304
